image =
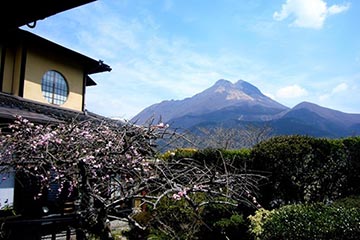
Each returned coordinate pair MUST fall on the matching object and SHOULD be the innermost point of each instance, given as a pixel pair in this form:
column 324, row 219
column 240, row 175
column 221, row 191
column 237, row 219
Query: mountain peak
column 247, row 88
column 313, row 107
column 222, row 95
column 244, row 87
column 305, row 104
column 241, row 90
column 223, row 82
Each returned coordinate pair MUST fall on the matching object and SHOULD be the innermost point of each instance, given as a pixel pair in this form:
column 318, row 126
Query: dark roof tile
column 12, row 106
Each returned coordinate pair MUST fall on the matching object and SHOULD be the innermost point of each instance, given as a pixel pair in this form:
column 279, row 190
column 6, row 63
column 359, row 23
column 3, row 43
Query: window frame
column 54, row 87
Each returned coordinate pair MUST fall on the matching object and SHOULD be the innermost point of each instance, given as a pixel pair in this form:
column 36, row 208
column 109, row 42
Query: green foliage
column 223, row 220
column 283, row 157
column 175, row 219
column 233, row 221
column 348, row 202
column 257, row 222
column 179, row 153
column 303, row 169
column 325, row 174
column 238, row 158
column 302, row 221
column 142, row 217
column 352, row 146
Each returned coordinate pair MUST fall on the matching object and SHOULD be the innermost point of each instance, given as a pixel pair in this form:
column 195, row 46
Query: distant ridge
column 234, row 104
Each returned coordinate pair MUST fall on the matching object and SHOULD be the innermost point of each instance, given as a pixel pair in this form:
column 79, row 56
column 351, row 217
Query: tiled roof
column 11, row 106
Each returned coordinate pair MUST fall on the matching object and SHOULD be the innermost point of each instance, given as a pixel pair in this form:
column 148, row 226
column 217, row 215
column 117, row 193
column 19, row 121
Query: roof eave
column 19, row 12
column 91, row 66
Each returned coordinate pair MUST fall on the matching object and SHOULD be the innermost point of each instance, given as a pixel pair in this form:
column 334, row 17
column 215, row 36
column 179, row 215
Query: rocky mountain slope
column 223, row 94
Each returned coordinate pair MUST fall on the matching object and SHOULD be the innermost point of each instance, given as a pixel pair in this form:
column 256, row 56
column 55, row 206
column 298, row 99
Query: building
column 40, row 80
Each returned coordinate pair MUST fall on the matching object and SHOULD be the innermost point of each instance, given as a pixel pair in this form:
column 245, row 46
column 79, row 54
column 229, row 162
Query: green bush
column 175, row 219
column 302, row 169
column 179, row 153
column 348, row 202
column 238, row 158
column 284, row 158
column 352, row 147
column 307, row 221
column 223, row 220
column 257, row 222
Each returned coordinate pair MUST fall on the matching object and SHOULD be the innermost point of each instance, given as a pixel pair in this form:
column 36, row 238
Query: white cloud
column 324, row 97
column 335, row 96
column 340, row 88
column 293, row 91
column 335, row 9
column 344, row 96
column 308, row 13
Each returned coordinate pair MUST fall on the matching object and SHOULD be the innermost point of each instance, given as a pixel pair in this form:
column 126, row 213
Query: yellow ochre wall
column 38, row 63
column 12, row 66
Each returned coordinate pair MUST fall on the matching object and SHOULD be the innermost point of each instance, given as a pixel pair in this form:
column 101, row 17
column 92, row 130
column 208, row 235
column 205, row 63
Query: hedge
column 306, row 221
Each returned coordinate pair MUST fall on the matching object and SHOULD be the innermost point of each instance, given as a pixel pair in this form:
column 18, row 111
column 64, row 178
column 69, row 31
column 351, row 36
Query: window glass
column 54, row 87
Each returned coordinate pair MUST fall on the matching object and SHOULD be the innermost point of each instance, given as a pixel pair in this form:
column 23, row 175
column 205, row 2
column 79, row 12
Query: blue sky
column 292, row 50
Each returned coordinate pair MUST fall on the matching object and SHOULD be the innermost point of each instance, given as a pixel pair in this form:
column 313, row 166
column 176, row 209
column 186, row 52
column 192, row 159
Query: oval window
column 54, row 87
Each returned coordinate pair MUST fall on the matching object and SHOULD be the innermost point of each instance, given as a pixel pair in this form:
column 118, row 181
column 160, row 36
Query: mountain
column 222, row 95
column 311, row 119
column 235, row 104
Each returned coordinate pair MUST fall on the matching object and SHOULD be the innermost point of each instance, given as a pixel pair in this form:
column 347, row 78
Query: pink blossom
column 182, row 193
column 176, row 197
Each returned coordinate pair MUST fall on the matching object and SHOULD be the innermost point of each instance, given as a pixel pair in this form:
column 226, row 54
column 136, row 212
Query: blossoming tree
column 104, row 167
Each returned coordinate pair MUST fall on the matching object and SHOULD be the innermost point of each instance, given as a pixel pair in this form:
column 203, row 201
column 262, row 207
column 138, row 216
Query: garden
column 283, row 187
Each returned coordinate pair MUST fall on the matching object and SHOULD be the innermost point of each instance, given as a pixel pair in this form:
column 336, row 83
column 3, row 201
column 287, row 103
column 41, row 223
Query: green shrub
column 233, row 221
column 284, row 158
column 223, row 220
column 348, row 202
column 352, row 147
column 179, row 153
column 302, row 169
column 307, row 221
column 238, row 158
column 257, row 222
